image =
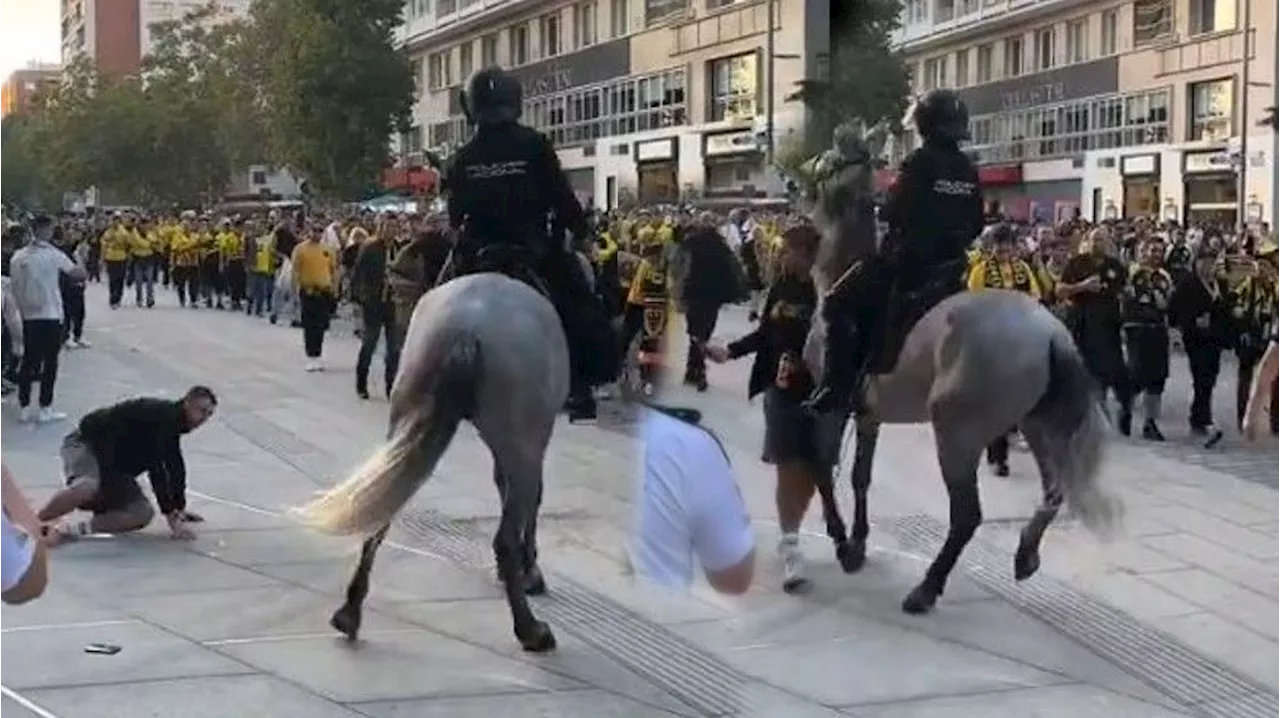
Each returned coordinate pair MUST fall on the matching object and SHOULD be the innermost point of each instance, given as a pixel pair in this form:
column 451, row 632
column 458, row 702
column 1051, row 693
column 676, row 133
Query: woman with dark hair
column 802, row 447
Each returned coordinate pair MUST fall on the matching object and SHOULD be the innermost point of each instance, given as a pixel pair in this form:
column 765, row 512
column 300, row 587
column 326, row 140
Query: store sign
column 656, row 150
column 729, row 143
column 585, row 67
column 1209, row 161
column 1140, row 165
column 1073, row 82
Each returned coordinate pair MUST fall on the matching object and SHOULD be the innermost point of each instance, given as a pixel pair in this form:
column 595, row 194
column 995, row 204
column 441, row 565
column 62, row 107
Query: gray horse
column 973, row 366
column 483, row 348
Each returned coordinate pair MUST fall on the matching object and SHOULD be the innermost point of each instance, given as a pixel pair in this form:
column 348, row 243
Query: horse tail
column 1076, row 427
column 371, row 497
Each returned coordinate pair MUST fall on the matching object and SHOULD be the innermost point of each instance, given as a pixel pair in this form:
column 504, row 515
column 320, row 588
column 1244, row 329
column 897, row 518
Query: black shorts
column 116, row 491
column 793, row 434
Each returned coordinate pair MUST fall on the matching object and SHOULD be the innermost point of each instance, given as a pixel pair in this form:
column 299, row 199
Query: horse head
column 844, row 208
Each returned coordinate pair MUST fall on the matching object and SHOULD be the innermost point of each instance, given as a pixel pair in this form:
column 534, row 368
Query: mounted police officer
column 504, row 185
column 933, row 213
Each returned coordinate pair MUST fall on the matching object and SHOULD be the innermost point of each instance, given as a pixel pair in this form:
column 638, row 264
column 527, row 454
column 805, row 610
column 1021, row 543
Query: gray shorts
column 793, row 434
column 116, row 491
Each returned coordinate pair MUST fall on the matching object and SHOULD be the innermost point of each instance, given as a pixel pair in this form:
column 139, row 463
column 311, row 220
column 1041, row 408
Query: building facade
column 23, row 85
column 646, row 100
column 116, row 34
column 1112, row 109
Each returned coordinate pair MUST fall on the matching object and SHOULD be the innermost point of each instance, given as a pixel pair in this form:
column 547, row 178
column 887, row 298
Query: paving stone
column 1137, row 597
column 396, row 577
column 591, row 703
column 1240, row 605
column 272, row 546
column 396, row 666
column 1256, row 575
column 474, row 622
column 13, row 709
column 1226, row 641
column 56, row 657
column 248, row 613
column 154, row 572
column 907, row 665
column 1068, row 701
column 208, row 697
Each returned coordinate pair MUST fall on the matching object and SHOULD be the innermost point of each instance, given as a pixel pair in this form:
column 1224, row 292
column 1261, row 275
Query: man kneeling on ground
column 103, row 457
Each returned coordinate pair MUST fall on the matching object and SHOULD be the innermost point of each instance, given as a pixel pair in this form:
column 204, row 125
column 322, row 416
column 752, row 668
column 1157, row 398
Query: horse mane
column 843, row 208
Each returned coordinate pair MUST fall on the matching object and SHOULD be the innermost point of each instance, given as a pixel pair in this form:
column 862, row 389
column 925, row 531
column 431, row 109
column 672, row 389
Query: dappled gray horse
column 974, row 365
column 490, row 350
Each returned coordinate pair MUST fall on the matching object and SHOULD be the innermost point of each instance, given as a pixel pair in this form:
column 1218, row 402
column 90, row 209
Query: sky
column 29, row 31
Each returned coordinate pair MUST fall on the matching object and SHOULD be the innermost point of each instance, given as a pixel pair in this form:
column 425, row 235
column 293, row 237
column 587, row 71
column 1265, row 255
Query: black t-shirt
column 1103, row 305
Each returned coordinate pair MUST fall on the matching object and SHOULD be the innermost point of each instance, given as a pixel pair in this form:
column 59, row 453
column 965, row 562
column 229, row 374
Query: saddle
column 511, row 260
column 904, row 309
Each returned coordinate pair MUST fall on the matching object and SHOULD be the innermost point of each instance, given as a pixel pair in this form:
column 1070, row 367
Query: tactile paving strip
column 1203, row 686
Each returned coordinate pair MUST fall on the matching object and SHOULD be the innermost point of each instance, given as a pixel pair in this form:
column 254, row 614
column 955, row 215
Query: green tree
column 26, row 175
column 867, row 78
column 202, row 115
column 333, row 88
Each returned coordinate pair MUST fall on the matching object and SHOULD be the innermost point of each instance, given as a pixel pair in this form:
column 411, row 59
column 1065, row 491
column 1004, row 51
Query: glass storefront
column 1211, row 198
column 1141, row 197
column 657, row 182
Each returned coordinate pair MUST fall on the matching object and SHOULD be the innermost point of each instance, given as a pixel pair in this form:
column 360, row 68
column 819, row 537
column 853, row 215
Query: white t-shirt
column 688, row 505
column 16, row 552
column 36, row 271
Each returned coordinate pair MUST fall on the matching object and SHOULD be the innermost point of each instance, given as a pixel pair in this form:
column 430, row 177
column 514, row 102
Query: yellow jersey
column 116, row 242
column 231, row 245
column 648, row 284
column 142, row 246
column 313, row 267
column 264, row 253
column 184, row 250
column 207, row 243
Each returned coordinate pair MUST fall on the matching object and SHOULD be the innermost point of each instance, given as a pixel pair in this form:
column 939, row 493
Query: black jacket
column 141, row 435
column 935, row 210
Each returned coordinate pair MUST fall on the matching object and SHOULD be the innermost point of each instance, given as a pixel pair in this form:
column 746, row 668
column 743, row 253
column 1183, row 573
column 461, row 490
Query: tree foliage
column 314, row 85
column 867, row 79
column 336, row 87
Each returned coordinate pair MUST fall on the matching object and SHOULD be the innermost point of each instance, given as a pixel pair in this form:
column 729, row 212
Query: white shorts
column 16, row 552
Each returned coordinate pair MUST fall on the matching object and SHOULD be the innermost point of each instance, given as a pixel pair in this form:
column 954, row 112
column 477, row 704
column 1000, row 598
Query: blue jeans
column 261, row 289
column 142, row 273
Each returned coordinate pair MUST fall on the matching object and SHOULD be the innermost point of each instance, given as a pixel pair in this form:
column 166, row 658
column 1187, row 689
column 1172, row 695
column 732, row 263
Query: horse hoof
column 346, row 621
column 1025, row 564
column 852, row 556
column 920, row 601
column 540, row 639
column 1002, row 469
column 534, row 583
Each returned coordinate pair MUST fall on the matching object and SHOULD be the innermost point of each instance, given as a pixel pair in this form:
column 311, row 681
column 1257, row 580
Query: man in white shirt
column 36, row 272
column 688, row 506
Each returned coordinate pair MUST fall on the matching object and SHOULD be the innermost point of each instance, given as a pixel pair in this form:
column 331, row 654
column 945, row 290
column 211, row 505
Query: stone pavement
column 1178, row 619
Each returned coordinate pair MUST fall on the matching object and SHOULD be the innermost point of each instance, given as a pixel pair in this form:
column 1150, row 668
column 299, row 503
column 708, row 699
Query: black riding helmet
column 941, row 115
column 493, row 97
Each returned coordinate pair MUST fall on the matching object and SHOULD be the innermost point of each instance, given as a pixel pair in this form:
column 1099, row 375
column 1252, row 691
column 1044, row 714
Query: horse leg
column 534, row 582
column 831, row 513
column 346, row 620
column 867, row 434
column 960, row 472
column 1026, row 561
column 518, row 505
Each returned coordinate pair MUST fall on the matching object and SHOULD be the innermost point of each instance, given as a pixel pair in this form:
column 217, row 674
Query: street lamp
column 1170, row 210
column 1253, row 211
column 1109, row 211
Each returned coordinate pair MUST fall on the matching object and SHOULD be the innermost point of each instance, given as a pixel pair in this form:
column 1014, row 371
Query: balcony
column 1207, row 51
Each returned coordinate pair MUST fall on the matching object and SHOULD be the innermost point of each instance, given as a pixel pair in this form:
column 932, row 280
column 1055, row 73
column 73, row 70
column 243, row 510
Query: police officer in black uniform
column 934, row 212
column 504, row 185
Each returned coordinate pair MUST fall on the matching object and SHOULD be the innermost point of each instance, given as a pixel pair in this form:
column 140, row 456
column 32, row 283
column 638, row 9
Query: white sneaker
column 70, row 344
column 793, row 569
column 29, row 415
column 314, row 365
column 83, row 343
column 47, row 415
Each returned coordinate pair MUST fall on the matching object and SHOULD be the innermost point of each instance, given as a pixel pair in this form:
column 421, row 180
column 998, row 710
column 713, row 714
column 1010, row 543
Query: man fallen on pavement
column 111, row 447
